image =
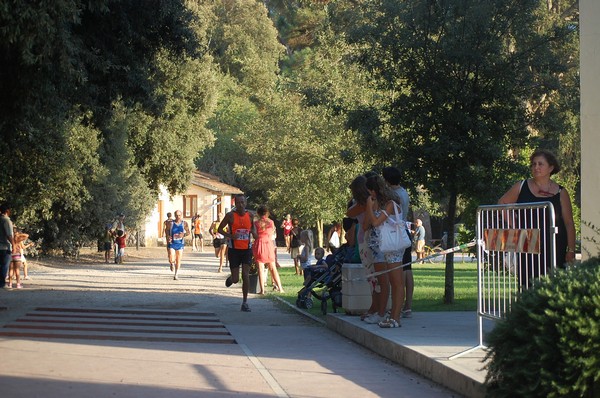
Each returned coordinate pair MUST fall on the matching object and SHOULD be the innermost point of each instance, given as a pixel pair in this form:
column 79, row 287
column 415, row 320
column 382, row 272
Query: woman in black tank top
column 541, row 188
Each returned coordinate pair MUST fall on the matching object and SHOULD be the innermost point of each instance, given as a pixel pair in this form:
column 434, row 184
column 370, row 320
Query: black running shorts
column 239, row 257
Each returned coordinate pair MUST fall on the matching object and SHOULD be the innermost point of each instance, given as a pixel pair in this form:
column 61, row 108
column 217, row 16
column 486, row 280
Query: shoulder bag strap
column 397, row 212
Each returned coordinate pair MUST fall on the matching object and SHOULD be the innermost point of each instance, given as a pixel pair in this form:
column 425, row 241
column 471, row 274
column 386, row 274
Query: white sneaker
column 374, row 318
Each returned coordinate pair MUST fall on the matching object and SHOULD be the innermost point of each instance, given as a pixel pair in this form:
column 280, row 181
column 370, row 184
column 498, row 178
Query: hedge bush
column 549, row 344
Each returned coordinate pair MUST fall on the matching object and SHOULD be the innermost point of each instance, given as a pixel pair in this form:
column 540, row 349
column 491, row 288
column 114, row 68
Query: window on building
column 190, row 205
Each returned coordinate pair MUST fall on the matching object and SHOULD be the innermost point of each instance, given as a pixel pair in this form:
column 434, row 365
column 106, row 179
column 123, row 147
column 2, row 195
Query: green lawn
column 429, row 288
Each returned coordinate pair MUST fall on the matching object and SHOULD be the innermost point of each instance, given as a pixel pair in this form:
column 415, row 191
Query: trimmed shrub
column 549, row 344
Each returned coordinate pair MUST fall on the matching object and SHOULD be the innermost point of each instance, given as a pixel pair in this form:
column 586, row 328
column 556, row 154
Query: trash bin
column 254, row 286
column 356, row 290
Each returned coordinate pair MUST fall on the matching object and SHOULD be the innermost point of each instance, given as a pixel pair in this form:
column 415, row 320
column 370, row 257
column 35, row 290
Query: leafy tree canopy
column 93, row 93
column 462, row 79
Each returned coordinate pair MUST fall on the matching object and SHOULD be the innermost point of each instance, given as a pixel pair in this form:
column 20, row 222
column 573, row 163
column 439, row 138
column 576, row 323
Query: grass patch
column 429, row 288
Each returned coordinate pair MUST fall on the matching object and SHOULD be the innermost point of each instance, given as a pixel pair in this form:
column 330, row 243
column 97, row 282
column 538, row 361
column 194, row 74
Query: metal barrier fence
column 515, row 247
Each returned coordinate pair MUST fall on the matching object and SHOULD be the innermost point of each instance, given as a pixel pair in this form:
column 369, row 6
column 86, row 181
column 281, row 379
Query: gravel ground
column 143, row 281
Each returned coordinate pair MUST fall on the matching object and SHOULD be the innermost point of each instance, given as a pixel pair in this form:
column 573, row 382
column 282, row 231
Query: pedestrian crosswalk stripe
column 120, row 324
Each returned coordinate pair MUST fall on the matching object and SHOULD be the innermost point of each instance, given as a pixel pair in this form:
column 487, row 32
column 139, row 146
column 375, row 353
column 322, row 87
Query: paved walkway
column 425, row 344
column 128, row 331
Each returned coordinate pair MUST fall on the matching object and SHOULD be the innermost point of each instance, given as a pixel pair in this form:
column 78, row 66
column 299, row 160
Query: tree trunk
column 449, row 274
column 319, row 240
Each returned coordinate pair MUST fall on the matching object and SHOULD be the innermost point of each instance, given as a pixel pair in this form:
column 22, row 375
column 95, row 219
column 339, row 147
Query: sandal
column 365, row 315
column 407, row 314
column 389, row 323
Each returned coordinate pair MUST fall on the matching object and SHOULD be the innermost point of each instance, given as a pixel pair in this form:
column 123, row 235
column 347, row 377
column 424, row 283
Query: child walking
column 120, row 242
column 16, row 259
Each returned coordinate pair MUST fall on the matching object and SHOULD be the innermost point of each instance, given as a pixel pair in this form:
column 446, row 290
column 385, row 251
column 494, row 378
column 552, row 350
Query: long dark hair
column 262, row 211
column 383, row 191
column 359, row 189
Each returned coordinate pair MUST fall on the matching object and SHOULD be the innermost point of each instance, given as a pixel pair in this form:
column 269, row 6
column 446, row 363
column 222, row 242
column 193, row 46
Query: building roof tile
column 212, row 183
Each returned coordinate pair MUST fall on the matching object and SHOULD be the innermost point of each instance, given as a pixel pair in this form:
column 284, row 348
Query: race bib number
column 242, row 234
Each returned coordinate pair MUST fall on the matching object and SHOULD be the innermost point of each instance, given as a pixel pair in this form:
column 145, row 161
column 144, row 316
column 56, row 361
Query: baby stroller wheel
column 308, row 303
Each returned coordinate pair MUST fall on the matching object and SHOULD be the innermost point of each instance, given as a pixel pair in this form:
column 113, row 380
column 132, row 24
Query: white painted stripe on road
column 264, row 372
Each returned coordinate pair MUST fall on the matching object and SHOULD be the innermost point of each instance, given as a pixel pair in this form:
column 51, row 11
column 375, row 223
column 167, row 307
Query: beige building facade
column 589, row 15
column 206, row 195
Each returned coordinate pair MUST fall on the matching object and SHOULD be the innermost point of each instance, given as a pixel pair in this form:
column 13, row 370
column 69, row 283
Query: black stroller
column 324, row 284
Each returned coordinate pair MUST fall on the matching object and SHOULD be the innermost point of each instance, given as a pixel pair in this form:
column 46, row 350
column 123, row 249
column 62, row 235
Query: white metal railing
column 515, row 247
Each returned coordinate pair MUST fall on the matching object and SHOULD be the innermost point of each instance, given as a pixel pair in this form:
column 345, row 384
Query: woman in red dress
column 264, row 249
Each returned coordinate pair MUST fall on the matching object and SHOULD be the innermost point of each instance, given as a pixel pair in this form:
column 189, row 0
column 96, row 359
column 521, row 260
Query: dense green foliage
column 549, row 344
column 105, row 101
column 302, row 155
column 92, row 92
column 467, row 82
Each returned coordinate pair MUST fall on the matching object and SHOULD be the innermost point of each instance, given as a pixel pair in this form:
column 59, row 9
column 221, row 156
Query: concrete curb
column 298, row 310
column 439, row 370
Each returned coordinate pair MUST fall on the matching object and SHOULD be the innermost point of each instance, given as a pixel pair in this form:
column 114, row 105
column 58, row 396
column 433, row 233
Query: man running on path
column 179, row 230
column 240, row 225
column 166, row 232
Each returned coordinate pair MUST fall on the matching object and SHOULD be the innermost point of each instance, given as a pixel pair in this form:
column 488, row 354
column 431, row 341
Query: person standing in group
column 237, row 225
column 118, row 225
column 166, row 232
column 356, row 209
column 179, row 230
column 121, row 243
column 287, row 231
column 219, row 242
column 306, row 257
column 198, row 238
column 295, row 245
column 193, row 229
column 334, row 236
column 24, row 247
column 275, row 249
column 107, row 241
column 393, row 177
column 264, row 250
column 381, row 204
column 6, row 242
column 419, row 239
column 541, row 188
